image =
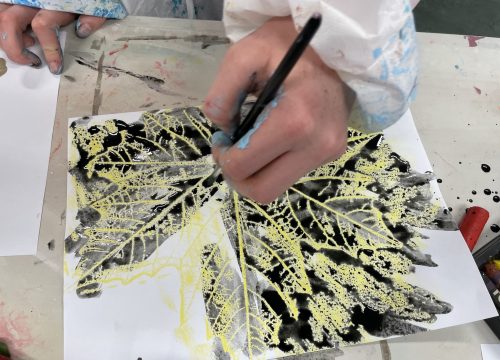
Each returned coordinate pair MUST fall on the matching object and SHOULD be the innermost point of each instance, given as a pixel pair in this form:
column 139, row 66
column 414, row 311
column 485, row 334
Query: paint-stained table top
column 144, row 63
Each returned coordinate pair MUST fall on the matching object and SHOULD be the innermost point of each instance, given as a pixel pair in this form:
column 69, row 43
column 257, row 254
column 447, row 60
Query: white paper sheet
column 28, row 99
column 490, row 351
column 140, row 316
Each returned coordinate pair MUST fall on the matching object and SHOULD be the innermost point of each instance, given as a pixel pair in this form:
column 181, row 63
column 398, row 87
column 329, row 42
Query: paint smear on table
column 14, row 330
column 3, row 66
column 115, row 51
column 472, row 39
column 169, row 70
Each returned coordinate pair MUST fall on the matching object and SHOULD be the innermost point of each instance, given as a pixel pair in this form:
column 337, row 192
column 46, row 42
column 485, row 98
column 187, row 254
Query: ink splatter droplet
column 3, row 66
column 485, row 167
column 470, row 200
column 450, row 209
column 458, row 197
column 496, row 198
column 487, row 192
column 439, row 181
column 478, row 90
column 474, row 192
column 495, row 228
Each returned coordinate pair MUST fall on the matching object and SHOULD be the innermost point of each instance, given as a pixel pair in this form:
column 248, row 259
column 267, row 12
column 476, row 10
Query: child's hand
column 304, row 128
column 15, row 20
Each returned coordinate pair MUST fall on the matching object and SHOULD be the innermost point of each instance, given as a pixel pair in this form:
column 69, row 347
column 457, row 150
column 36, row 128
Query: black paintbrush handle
column 269, row 92
column 274, row 83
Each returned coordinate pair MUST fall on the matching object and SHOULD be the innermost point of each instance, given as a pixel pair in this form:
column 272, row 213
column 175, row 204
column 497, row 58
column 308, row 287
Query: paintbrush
column 273, row 85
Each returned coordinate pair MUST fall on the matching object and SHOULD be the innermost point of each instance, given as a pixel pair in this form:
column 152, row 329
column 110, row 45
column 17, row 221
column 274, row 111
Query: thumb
column 86, row 25
column 220, row 143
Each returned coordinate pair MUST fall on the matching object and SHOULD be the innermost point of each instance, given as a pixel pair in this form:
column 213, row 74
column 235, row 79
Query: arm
column 365, row 47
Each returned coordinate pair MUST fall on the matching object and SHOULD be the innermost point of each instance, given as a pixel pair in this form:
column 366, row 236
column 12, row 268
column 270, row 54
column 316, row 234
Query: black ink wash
column 164, row 156
column 316, row 250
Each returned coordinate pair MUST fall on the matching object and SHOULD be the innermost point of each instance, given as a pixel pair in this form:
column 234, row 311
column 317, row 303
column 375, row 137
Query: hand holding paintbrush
column 280, row 140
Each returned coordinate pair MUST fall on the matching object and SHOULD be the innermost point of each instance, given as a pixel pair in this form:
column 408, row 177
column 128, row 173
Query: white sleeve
column 193, row 9
column 371, row 44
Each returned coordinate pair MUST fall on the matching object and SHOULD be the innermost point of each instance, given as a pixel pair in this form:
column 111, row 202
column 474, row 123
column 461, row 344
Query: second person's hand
column 15, row 20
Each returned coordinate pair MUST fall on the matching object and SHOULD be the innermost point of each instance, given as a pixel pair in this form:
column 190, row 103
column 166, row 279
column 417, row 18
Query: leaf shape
column 330, row 256
column 240, row 316
column 325, row 263
column 136, row 185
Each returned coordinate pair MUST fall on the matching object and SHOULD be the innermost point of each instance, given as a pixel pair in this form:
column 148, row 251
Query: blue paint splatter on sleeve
column 384, row 99
column 377, row 52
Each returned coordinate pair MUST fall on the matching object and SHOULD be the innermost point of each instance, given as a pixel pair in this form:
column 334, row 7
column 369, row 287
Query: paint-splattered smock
column 118, row 9
column 370, row 43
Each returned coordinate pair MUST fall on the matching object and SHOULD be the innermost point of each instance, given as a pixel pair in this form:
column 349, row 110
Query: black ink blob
column 474, row 192
column 495, row 228
column 470, row 200
column 485, row 167
column 496, row 198
column 487, row 191
column 439, row 181
column 51, row 245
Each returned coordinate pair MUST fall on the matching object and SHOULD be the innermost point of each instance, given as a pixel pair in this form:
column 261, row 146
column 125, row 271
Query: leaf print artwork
column 136, row 185
column 330, row 262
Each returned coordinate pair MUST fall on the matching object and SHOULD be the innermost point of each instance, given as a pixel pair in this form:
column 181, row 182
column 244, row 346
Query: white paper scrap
column 490, row 351
column 28, row 99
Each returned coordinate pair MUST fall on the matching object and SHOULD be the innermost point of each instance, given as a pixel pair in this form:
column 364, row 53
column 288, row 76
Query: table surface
column 149, row 63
